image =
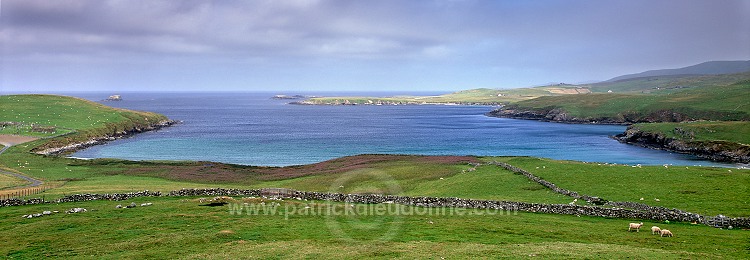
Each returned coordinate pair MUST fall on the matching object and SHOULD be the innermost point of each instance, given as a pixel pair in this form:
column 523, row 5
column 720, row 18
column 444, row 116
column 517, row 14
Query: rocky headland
column 76, row 146
column 559, row 115
column 713, row 150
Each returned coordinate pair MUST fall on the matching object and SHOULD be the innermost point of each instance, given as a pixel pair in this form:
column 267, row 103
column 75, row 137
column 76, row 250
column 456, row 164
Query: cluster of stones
column 133, row 205
column 36, row 215
column 48, row 212
column 76, row 210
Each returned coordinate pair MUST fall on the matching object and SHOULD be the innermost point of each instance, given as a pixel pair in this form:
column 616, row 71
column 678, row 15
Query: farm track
column 33, row 182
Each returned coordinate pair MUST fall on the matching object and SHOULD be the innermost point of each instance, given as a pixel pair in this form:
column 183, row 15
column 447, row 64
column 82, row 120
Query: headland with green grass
column 708, row 121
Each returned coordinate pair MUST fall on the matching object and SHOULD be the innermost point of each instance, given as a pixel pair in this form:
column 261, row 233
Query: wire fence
column 20, row 193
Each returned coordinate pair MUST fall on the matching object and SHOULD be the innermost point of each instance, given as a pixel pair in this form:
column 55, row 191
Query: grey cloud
column 557, row 39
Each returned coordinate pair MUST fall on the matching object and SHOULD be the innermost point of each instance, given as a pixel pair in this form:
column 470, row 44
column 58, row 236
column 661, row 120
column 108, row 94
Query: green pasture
column 181, row 228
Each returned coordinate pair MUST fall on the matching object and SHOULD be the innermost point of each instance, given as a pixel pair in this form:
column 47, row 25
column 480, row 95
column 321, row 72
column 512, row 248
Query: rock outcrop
column 103, row 139
column 559, row 115
column 714, row 150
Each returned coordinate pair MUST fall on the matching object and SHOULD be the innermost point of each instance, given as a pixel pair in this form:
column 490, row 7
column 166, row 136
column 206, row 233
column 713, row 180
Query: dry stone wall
column 647, row 212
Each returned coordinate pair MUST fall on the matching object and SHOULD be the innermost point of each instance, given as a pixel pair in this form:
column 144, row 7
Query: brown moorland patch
column 209, row 172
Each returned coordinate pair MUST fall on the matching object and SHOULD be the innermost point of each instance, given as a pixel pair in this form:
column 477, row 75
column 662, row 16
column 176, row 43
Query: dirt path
column 11, row 140
column 33, row 182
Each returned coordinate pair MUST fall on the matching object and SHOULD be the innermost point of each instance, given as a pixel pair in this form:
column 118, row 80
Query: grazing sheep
column 636, row 226
column 655, row 230
column 665, row 232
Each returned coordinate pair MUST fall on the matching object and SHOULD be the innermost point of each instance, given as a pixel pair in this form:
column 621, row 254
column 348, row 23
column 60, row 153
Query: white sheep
column 636, row 226
column 665, row 232
column 655, row 230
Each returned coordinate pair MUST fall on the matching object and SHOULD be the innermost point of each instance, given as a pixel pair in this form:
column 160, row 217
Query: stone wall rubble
column 635, row 212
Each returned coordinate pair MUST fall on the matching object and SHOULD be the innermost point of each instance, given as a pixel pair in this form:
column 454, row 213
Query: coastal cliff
column 714, row 150
column 551, row 115
column 562, row 116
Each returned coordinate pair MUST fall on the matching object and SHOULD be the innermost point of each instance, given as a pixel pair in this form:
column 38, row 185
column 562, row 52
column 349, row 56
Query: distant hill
column 666, row 82
column 706, row 68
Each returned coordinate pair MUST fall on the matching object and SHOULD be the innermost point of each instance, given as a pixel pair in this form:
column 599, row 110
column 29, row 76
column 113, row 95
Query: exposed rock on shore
column 103, row 139
column 713, row 150
column 561, row 116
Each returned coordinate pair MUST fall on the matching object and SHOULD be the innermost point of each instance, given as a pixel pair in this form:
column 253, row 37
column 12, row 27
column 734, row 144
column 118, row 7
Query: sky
column 383, row 45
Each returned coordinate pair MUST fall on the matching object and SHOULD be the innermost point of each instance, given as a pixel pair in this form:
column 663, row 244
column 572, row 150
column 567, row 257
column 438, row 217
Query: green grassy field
column 697, row 189
column 27, row 130
column 67, row 112
column 180, row 228
column 703, row 190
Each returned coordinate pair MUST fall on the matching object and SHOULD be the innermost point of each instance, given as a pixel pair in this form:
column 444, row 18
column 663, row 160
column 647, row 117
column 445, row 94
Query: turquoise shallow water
column 253, row 129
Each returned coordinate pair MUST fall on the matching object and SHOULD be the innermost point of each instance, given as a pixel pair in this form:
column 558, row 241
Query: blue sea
column 253, row 129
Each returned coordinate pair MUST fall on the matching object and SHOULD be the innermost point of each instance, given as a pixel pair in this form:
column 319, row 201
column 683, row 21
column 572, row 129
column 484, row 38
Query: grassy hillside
column 706, row 68
column 68, row 114
column 708, row 103
column 73, row 120
column 666, row 84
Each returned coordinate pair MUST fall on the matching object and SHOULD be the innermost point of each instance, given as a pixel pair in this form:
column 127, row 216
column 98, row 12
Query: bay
column 253, row 129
